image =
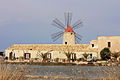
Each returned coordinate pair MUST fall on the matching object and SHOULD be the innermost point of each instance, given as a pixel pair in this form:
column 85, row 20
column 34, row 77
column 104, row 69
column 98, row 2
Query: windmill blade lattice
column 68, row 19
column 77, row 24
column 77, row 38
column 57, row 23
column 57, row 35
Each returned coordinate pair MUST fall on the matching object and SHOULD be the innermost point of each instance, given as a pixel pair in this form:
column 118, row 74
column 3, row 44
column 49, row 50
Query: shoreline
column 66, row 78
column 62, row 64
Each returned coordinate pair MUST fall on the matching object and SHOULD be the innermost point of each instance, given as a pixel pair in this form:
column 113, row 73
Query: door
column 73, row 57
column 49, row 56
column 11, row 55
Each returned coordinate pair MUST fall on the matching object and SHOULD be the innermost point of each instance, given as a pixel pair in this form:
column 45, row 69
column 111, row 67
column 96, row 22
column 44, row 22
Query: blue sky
column 29, row 21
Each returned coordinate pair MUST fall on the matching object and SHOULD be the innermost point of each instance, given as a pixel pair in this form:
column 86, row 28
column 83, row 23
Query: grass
column 8, row 72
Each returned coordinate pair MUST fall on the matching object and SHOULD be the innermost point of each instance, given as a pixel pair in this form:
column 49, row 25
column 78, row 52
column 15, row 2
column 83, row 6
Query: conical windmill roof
column 69, row 29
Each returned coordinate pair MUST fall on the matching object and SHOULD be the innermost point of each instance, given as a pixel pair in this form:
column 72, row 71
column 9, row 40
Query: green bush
column 57, row 60
column 105, row 54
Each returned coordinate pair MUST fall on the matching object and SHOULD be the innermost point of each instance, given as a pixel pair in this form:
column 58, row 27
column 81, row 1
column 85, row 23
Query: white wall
column 54, row 54
column 69, row 37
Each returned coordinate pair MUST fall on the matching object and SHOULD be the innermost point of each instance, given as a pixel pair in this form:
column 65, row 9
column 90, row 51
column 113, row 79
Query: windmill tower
column 68, row 33
column 69, row 36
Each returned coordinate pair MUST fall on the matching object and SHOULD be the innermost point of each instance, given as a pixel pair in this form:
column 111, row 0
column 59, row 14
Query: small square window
column 65, row 42
column 92, row 45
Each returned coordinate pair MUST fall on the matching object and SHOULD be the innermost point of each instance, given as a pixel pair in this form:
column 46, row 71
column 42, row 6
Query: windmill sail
column 77, row 24
column 78, row 38
column 68, row 18
column 57, row 35
column 58, row 24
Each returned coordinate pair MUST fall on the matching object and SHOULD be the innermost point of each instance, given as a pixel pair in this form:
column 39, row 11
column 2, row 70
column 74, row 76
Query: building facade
column 28, row 51
column 111, row 42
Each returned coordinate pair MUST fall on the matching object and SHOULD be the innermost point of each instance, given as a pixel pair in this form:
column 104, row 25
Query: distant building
column 111, row 42
column 57, row 51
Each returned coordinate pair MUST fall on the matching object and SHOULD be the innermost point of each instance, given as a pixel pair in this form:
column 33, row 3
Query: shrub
column 21, row 58
column 105, row 54
column 57, row 60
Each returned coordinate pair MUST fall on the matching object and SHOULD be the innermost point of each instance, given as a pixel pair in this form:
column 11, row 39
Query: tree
column 44, row 55
column 105, row 54
column 68, row 51
column 85, row 55
column 68, row 55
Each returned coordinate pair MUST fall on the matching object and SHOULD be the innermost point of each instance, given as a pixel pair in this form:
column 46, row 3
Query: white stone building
column 57, row 50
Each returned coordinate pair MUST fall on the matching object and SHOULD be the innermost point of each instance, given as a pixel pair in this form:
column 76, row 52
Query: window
column 65, row 42
column 109, row 44
column 92, row 45
column 27, row 55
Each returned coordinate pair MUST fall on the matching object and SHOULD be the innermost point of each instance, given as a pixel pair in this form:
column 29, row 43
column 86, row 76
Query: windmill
column 67, row 30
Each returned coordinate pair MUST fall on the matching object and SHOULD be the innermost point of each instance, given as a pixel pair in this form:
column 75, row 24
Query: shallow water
column 88, row 72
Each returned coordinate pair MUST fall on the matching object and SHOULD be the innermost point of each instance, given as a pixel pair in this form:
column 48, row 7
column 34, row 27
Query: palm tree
column 44, row 55
column 68, row 55
column 85, row 55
